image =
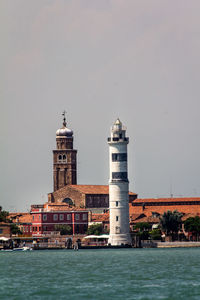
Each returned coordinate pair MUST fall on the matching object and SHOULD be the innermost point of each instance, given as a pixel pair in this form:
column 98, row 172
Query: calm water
column 101, row 274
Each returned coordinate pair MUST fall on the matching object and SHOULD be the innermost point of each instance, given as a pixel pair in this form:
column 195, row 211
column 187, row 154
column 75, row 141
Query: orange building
column 149, row 206
column 23, row 221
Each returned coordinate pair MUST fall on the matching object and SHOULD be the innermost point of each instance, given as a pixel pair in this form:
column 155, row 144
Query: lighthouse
column 118, row 186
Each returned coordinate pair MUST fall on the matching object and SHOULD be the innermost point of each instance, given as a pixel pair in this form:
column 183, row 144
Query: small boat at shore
column 18, row 249
column 22, row 249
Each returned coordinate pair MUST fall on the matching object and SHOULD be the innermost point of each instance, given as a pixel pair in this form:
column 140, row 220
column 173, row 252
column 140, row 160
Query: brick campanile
column 64, row 158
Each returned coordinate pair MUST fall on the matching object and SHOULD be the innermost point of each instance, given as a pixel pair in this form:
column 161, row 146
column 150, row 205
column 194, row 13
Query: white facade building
column 118, row 186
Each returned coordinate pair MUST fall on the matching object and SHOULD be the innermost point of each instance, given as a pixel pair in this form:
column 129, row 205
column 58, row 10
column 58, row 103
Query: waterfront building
column 47, row 217
column 118, row 186
column 102, row 219
column 91, row 197
column 24, row 222
column 185, row 205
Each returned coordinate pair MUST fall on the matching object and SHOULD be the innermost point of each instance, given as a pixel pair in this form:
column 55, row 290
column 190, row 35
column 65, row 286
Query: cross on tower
column 64, row 119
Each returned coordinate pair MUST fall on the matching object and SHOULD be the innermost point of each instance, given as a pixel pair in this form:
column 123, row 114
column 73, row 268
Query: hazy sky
column 99, row 60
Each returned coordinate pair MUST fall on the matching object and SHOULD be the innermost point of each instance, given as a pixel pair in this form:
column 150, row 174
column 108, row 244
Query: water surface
column 101, row 274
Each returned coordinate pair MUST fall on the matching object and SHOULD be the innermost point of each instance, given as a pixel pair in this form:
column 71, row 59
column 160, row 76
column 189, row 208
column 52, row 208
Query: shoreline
column 178, row 244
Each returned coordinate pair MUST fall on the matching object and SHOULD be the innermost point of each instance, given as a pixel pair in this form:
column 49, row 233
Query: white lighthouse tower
column 118, row 186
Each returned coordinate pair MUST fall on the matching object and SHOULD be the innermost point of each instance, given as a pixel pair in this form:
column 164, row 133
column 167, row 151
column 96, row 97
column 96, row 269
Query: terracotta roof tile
column 25, row 218
column 100, row 217
column 90, row 189
column 157, row 200
column 190, row 215
column 61, row 207
column 21, row 217
column 146, row 219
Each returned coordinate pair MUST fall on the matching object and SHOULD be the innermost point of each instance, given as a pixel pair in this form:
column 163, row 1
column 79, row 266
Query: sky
column 99, row 60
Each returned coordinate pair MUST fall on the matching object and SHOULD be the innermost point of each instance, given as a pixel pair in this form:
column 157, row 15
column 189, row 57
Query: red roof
column 26, row 218
column 157, row 200
column 21, row 217
column 100, row 217
column 61, row 207
column 89, row 189
column 186, row 216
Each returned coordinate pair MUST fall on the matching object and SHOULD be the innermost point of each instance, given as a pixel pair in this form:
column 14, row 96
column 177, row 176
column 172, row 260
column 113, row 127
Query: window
column 33, row 218
column 30, row 228
column 64, row 158
column 117, row 218
column 77, row 217
column 119, row 175
column 120, row 135
column 119, row 156
column 116, row 203
column 55, row 217
column 44, row 217
column 84, row 217
column 39, row 228
column 117, row 229
column 39, row 217
column 68, row 217
column 61, row 217
column 68, row 200
column 26, row 228
column 59, row 157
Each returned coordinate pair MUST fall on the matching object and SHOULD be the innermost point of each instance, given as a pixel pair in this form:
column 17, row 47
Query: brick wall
column 77, row 197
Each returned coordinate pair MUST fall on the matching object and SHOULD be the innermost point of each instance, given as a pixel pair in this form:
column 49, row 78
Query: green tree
column 193, row 225
column 96, row 229
column 155, row 234
column 142, row 226
column 4, row 215
column 15, row 229
column 143, row 230
column 170, row 222
column 64, row 229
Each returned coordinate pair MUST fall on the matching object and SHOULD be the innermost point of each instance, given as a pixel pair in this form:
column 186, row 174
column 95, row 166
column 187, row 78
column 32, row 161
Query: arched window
column 64, row 158
column 68, row 201
column 60, row 157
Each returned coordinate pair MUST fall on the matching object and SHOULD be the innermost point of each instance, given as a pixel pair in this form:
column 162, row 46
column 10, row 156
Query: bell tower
column 64, row 158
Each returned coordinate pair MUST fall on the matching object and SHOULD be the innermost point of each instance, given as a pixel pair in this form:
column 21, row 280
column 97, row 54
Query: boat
column 18, row 249
column 22, row 249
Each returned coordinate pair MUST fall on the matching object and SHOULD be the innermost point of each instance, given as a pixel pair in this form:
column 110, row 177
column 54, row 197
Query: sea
column 172, row 273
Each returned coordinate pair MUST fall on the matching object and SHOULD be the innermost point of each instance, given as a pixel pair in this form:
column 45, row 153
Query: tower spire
column 64, row 119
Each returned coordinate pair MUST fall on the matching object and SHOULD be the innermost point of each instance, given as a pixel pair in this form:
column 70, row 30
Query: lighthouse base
column 119, row 239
